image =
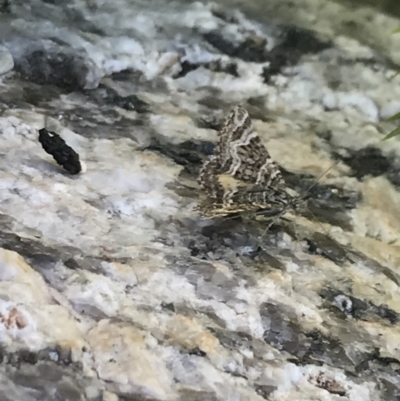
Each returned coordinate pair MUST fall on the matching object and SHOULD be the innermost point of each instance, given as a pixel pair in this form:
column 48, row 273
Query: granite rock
column 111, row 285
column 6, row 60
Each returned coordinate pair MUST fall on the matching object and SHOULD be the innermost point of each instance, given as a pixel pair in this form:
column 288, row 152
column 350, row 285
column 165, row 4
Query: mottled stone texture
column 112, row 288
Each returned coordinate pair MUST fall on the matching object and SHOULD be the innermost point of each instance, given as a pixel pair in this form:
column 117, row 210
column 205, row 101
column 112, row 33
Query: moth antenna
column 319, row 223
column 236, row 215
column 274, row 220
column 311, row 187
column 318, row 179
column 232, row 216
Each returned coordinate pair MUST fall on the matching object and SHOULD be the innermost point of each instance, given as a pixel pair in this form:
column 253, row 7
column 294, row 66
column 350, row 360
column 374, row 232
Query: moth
column 241, row 175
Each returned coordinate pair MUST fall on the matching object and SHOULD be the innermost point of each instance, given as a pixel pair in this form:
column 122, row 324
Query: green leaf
column 397, row 30
column 393, row 118
column 395, row 132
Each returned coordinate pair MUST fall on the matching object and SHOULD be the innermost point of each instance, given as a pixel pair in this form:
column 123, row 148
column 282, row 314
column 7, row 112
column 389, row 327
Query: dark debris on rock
column 63, row 154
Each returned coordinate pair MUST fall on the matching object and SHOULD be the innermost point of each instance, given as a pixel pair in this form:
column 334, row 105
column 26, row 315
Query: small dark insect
column 63, row 154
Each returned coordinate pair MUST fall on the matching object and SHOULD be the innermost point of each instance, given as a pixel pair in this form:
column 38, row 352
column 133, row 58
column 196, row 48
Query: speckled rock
column 113, row 288
column 6, row 60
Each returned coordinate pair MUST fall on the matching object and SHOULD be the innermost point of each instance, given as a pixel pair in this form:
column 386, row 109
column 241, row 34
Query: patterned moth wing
column 241, row 154
column 241, row 176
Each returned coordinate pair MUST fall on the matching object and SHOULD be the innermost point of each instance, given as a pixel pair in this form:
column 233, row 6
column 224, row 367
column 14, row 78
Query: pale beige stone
column 123, row 362
column 188, row 333
column 30, row 317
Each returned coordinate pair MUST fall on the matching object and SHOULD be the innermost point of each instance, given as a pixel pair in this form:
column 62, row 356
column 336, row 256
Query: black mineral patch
column 63, row 154
column 264, row 391
column 44, row 259
column 322, row 349
column 215, row 66
column 205, row 148
column 127, row 75
column 326, row 203
column 367, row 161
column 189, row 154
column 232, row 339
column 283, row 332
column 170, row 307
column 225, row 15
column 72, row 264
column 110, row 96
column 5, row 7
column 295, row 42
column 26, row 356
column 378, row 365
column 59, row 69
column 131, row 102
column 33, row 382
column 358, row 308
column 329, row 204
column 209, row 122
column 33, row 250
column 197, row 352
column 186, row 67
column 229, row 238
column 370, row 161
column 321, row 244
column 230, row 68
column 252, row 49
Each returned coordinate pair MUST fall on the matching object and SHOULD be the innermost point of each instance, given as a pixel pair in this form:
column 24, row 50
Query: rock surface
column 111, row 285
column 6, row 61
